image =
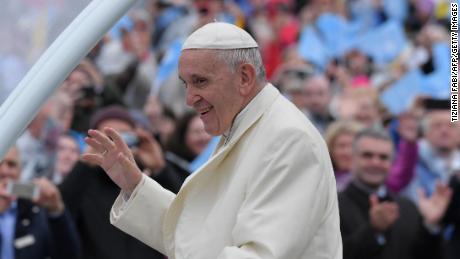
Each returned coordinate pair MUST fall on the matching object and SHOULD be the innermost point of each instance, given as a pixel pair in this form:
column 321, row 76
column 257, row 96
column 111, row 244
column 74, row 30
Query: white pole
column 54, row 65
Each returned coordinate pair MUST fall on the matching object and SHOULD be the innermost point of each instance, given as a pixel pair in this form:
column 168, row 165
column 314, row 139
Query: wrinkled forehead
column 12, row 155
column 439, row 116
column 199, row 60
column 191, row 54
column 375, row 145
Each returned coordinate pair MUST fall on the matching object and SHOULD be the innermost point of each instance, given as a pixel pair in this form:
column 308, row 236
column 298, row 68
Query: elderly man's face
column 10, row 169
column 372, row 161
column 317, row 95
column 10, row 166
column 440, row 132
column 212, row 89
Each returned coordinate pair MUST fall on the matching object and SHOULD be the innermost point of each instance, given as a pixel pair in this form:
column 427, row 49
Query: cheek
column 71, row 155
column 225, row 111
column 15, row 174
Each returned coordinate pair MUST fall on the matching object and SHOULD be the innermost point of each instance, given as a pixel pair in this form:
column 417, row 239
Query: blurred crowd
column 371, row 75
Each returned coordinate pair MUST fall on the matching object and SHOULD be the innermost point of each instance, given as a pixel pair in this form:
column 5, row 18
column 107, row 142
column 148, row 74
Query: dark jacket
column 406, row 239
column 452, row 220
column 173, row 175
column 89, row 194
column 48, row 237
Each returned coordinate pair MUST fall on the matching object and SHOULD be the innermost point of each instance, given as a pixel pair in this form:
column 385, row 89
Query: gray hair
column 375, row 133
column 235, row 57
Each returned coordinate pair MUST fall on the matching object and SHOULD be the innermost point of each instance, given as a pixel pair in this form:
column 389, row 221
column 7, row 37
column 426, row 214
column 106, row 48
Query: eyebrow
column 9, row 162
column 193, row 76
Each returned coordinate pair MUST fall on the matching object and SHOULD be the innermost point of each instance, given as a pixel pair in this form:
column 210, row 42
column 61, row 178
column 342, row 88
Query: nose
column 377, row 161
column 191, row 97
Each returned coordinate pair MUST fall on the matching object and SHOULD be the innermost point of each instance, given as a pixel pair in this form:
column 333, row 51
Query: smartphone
column 131, row 139
column 24, row 190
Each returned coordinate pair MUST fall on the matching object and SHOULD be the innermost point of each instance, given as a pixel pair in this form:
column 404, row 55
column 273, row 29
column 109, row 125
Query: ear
column 247, row 79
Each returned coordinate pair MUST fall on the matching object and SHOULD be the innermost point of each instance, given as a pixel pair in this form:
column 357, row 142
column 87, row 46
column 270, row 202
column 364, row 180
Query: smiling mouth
column 205, row 111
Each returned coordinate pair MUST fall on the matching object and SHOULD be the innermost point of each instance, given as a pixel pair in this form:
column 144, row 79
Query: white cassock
column 269, row 192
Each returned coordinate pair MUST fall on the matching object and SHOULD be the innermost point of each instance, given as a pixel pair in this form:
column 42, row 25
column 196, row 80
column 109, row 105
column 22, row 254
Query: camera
column 130, row 139
column 24, row 190
column 88, row 92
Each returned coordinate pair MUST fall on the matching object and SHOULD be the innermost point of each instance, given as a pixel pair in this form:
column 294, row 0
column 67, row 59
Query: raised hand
column 382, row 214
column 408, row 127
column 113, row 155
column 49, row 196
column 149, row 151
column 434, row 207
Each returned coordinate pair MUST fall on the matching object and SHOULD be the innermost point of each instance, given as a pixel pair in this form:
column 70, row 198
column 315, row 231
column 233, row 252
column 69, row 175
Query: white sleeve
column 142, row 214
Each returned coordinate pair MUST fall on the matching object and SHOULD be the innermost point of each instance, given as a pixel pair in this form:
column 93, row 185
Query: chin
column 212, row 132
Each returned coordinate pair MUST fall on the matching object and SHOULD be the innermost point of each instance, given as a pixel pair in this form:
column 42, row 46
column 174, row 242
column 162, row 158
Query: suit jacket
column 269, row 192
column 38, row 236
column 452, row 219
column 407, row 238
column 173, row 175
column 88, row 194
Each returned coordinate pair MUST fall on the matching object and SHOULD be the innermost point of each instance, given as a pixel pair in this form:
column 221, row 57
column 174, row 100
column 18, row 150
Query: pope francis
column 267, row 192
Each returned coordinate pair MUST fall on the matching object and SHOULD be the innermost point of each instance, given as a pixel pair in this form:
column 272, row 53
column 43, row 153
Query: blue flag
column 335, row 32
column 398, row 97
column 312, row 48
column 396, row 10
column 384, row 43
column 168, row 64
column 205, row 155
column 436, row 84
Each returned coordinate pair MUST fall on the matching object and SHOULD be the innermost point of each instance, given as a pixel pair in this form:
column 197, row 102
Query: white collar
column 227, row 135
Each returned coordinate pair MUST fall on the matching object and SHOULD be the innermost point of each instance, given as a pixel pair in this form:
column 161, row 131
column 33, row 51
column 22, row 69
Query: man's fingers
column 117, row 140
column 102, row 139
column 421, row 194
column 442, row 188
column 93, row 159
column 142, row 133
column 373, row 200
column 446, row 193
column 98, row 147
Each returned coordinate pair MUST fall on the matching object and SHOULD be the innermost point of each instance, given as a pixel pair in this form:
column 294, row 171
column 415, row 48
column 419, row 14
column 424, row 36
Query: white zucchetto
column 219, row 35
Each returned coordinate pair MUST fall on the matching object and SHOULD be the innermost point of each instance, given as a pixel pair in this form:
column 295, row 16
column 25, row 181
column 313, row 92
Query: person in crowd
column 38, row 144
column 360, row 104
column 162, row 120
column 339, row 138
column 89, row 193
column 270, row 168
column 406, row 137
column 452, row 219
column 438, row 156
column 187, row 142
column 128, row 63
column 80, row 86
column 290, row 79
column 67, row 155
column 377, row 224
column 359, row 67
column 36, row 227
column 317, row 100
